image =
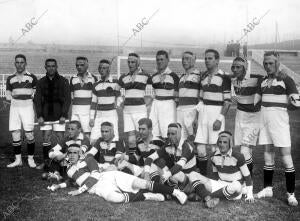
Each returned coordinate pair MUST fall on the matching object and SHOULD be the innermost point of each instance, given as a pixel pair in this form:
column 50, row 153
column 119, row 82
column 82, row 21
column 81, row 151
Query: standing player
column 165, row 85
column 52, row 101
column 215, row 98
column 230, row 173
column 104, row 98
column 247, row 115
column 20, row 88
column 81, row 86
column 275, row 92
column 189, row 88
column 134, row 83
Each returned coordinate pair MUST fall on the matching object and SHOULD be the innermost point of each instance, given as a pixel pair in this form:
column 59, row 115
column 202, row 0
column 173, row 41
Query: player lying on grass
column 145, row 147
column 178, row 156
column 113, row 186
column 231, row 171
column 106, row 150
column 58, row 153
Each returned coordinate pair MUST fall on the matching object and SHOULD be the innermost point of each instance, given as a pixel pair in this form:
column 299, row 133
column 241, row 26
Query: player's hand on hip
column 92, row 123
column 217, row 125
column 62, row 120
column 41, row 121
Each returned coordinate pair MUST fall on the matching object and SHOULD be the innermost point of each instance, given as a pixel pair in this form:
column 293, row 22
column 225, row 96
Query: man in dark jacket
column 52, row 101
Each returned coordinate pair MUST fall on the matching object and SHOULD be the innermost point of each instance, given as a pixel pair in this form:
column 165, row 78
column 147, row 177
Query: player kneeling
column 113, row 186
column 231, row 169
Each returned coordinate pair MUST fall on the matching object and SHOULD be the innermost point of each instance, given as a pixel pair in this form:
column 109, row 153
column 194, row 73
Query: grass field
column 24, row 195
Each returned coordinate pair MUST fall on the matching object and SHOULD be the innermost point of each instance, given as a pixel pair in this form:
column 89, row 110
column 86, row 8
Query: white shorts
column 274, row 128
column 206, row 118
column 113, row 181
column 21, row 115
column 162, row 114
column 186, row 117
column 54, row 127
column 84, row 120
column 102, row 116
column 220, row 184
column 132, row 115
column 246, row 129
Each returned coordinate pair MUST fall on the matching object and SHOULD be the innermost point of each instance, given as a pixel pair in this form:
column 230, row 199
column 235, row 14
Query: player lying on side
column 113, row 186
column 58, row 153
column 231, row 171
column 145, row 147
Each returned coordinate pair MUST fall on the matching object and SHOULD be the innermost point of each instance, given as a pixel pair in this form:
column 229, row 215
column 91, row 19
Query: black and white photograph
column 149, row 110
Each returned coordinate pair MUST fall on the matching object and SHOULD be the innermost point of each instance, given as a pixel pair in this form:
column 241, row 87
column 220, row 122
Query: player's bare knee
column 29, row 135
column 131, row 140
column 287, row 161
column 47, row 136
column 201, row 150
column 139, row 183
column 16, row 135
column 235, row 187
column 115, row 197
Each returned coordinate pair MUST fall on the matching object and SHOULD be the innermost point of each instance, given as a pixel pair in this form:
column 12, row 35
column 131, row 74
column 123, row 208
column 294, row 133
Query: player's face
column 188, row 61
column 161, row 62
column 73, row 131
column 271, row 64
column 210, row 61
column 144, row 131
column 51, row 68
column 104, row 70
column 173, row 135
column 223, row 144
column 107, row 133
column 237, row 70
column 73, row 156
column 133, row 64
column 82, row 66
column 20, row 65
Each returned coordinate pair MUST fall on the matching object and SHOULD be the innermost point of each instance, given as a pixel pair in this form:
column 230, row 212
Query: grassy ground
column 24, row 195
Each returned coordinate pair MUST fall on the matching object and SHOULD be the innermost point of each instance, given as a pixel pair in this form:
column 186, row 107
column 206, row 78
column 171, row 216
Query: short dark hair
column 20, row 56
column 50, row 60
column 216, row 53
column 134, row 55
column 270, row 53
column 82, row 58
column 106, row 123
column 145, row 121
column 104, row 61
column 225, row 132
column 162, row 52
column 78, row 124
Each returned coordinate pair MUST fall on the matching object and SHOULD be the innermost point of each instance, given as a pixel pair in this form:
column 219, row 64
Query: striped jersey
column 275, row 93
column 189, row 88
column 165, row 85
column 81, row 90
column 245, row 91
column 216, row 89
column 104, row 95
column 106, row 152
column 21, row 87
column 85, row 173
column 135, row 86
column 145, row 149
column 176, row 158
column 231, row 167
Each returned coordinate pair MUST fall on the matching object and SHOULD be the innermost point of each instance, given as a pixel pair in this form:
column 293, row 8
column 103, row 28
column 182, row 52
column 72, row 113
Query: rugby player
column 189, row 89
column 113, row 186
column 247, row 115
column 215, row 99
column 20, row 88
column 81, row 86
column 52, row 100
column 230, row 172
column 275, row 92
column 134, row 83
column 165, row 84
column 104, row 97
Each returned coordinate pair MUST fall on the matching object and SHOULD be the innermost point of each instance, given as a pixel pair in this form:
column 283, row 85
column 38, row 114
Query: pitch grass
column 24, row 196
